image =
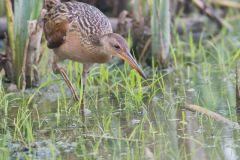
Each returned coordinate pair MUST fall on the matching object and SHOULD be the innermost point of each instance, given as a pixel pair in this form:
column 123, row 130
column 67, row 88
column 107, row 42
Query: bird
column 81, row 32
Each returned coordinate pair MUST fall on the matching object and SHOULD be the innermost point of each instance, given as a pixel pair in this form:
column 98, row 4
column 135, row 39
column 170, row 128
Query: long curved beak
column 127, row 56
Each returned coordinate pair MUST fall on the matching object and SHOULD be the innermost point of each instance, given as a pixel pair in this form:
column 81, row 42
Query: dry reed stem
column 213, row 115
column 211, row 14
column 32, row 52
column 226, row 3
column 144, row 51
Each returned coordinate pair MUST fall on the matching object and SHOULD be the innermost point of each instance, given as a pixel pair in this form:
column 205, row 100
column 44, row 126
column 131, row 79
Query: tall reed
column 161, row 28
column 159, row 11
column 2, row 9
column 24, row 11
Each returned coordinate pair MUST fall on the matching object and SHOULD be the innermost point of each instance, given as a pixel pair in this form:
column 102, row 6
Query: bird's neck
column 49, row 4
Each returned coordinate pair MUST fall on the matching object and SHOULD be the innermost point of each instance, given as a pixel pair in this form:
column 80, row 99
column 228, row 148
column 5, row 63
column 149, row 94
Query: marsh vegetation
column 129, row 117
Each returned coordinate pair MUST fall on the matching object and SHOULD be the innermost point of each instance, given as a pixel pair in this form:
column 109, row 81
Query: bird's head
column 116, row 45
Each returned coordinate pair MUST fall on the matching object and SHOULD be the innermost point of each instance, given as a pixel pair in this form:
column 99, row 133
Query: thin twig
column 87, row 135
column 25, row 59
column 111, row 138
column 146, row 46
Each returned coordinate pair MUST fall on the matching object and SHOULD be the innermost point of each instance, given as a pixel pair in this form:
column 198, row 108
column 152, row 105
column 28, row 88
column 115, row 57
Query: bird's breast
column 76, row 48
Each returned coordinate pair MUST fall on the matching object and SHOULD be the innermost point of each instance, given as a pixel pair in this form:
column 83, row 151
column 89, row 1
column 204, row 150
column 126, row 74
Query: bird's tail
column 49, row 4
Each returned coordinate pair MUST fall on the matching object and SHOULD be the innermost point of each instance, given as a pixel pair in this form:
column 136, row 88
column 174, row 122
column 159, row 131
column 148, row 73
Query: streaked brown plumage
column 80, row 32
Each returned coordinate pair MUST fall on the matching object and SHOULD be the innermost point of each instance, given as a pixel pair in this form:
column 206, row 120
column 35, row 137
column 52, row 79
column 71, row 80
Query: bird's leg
column 60, row 70
column 85, row 72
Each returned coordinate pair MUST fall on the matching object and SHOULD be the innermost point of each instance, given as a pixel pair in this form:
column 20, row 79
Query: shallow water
column 121, row 128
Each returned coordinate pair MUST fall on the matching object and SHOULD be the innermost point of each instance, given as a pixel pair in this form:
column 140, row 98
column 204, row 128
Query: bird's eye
column 117, row 47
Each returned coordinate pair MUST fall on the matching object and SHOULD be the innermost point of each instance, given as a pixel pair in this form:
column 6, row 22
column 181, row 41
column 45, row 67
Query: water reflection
column 228, row 144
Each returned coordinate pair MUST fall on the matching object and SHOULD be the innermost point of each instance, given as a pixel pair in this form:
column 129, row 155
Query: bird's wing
column 80, row 18
column 55, row 27
column 90, row 21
